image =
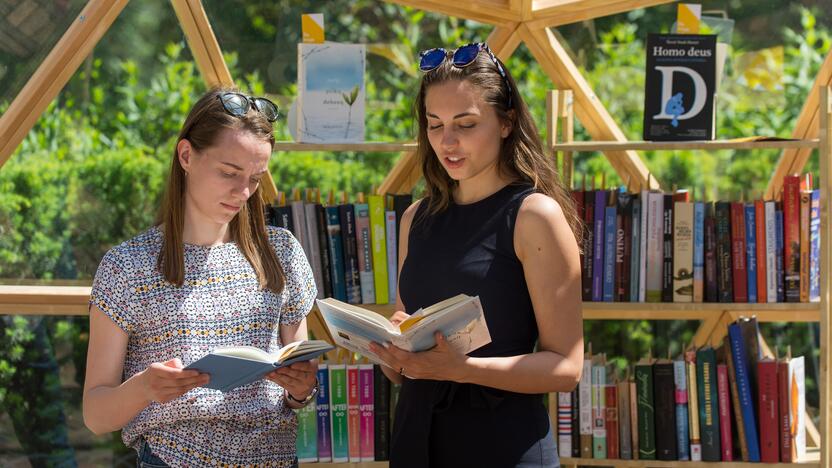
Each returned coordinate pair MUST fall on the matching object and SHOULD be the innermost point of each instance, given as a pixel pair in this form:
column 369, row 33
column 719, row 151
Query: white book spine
column 392, row 254
column 655, row 243
column 642, row 273
column 771, row 253
column 565, row 424
column 797, row 386
column 683, row 252
column 314, row 247
column 299, row 222
column 585, row 400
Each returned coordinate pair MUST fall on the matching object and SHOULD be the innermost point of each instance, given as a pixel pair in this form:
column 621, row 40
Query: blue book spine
column 336, row 253
column 682, row 436
column 743, row 377
column 698, row 251
column 814, row 247
column 322, row 406
column 779, row 249
column 609, row 253
column 635, row 251
column 751, row 250
column 598, row 248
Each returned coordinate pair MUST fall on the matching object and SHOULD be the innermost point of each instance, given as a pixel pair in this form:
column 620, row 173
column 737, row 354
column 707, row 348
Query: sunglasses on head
column 238, row 105
column 461, row 57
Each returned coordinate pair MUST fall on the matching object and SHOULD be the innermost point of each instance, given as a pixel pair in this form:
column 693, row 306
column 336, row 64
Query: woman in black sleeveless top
column 496, row 222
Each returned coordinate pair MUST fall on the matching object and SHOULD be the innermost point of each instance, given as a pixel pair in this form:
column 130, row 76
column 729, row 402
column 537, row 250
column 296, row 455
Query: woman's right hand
column 166, row 381
column 398, row 317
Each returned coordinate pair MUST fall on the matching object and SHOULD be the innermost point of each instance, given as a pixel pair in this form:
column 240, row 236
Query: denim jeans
column 147, row 459
column 543, row 454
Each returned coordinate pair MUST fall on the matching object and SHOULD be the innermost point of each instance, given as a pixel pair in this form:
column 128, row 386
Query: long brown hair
column 522, row 156
column 248, row 228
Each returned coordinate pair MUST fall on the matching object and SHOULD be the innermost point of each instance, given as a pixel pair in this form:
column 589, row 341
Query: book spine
column 323, row 241
column 283, row 217
column 299, row 221
column 588, row 244
column 338, row 406
column 797, row 407
column 778, row 231
column 791, row 232
column 336, row 254
column 634, row 424
column 751, row 251
column 381, row 415
column 708, row 409
column 623, row 246
column 723, row 251
column 814, row 247
column 366, row 410
column 771, row 252
column 768, row 411
column 635, row 252
column 681, row 398
column 784, row 422
column 379, row 243
column 646, row 413
column 598, row 246
column 725, row 434
column 585, row 406
column 643, row 252
column 307, row 441
column 611, row 420
column 746, row 398
column 365, row 253
column 576, row 428
column 565, row 424
column 750, row 330
column 352, row 276
column 609, row 253
column 711, row 277
column 625, row 446
column 392, row 255
column 735, row 403
column 667, row 249
column 599, row 428
column 665, row 411
column 353, row 413
column 324, row 416
column 739, row 272
column 314, row 247
column 683, row 252
column 805, row 209
column 762, row 269
column 693, row 406
column 654, row 247
column 698, row 252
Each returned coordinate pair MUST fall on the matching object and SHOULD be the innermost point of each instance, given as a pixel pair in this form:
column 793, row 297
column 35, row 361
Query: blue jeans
column 543, row 454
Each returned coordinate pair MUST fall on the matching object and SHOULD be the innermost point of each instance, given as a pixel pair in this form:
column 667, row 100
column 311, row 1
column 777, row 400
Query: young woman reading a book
column 209, row 274
column 498, row 223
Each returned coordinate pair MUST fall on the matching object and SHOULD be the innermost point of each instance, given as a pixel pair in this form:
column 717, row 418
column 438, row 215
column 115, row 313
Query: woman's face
column 221, row 178
column 463, row 129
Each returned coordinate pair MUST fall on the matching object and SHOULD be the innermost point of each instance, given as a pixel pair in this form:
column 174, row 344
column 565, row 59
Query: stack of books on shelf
column 665, row 247
column 351, row 247
column 351, row 417
column 708, row 404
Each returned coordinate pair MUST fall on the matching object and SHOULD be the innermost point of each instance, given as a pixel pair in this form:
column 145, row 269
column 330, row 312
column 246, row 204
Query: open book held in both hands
column 235, row 366
column 459, row 318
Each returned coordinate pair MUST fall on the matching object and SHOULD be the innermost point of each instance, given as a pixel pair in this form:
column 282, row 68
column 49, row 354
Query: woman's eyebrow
column 241, row 169
column 464, row 114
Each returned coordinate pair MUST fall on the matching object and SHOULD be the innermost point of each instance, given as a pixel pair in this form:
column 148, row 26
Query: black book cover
column 589, row 221
column 680, row 86
column 750, row 331
column 711, row 288
column 381, row 415
column 400, row 202
column 351, row 273
column 576, row 424
column 623, row 246
column 724, row 272
column 280, row 216
column 323, row 238
column 667, row 249
column 665, row 410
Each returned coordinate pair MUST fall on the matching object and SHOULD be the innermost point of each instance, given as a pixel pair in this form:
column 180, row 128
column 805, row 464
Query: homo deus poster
column 680, row 87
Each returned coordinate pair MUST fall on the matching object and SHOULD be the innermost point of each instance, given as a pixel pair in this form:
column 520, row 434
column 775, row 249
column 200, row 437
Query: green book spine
column 708, row 409
column 338, row 405
column 379, row 242
column 646, row 413
column 307, row 443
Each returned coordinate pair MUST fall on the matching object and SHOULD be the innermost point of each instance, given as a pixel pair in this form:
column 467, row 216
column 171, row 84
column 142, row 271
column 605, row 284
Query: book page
column 463, row 325
column 246, row 352
column 354, row 330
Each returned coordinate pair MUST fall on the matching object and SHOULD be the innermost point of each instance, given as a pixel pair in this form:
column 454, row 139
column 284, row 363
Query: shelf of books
column 366, row 147
column 749, row 143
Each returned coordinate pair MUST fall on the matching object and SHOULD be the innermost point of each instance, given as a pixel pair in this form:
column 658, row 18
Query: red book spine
column 791, row 237
column 760, row 216
column 738, row 253
column 769, row 415
column 785, row 422
column 611, row 421
column 724, row 399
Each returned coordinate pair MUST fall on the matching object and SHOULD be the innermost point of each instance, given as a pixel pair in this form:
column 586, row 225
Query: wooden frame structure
column 515, row 22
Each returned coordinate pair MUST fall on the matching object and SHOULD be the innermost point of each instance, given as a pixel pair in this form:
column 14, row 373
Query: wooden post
column 825, row 154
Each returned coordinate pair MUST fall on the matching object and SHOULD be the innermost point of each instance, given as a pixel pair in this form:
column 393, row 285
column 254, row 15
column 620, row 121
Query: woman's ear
column 185, row 152
column 507, row 125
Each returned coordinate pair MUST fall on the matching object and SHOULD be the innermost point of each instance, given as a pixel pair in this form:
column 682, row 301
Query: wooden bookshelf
column 364, row 147
column 812, row 461
column 705, row 145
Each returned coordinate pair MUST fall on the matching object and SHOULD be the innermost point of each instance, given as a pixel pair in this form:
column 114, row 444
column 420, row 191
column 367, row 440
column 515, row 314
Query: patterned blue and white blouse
column 220, row 304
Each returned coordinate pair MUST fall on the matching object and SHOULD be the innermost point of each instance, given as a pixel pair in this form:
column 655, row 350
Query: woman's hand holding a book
column 398, row 317
column 298, row 379
column 442, row 362
column 166, row 381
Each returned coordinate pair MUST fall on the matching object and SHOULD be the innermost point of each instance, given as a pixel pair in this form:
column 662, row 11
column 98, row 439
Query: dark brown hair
column 522, row 156
column 203, row 125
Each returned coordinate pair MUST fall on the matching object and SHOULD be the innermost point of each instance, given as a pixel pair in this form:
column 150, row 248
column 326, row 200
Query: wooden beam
column 403, row 177
column 496, row 13
column 504, row 40
column 825, row 155
column 794, row 160
column 559, row 12
column 55, row 71
column 595, row 118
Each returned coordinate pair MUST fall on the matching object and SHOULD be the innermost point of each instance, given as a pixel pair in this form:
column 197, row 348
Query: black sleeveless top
column 469, row 249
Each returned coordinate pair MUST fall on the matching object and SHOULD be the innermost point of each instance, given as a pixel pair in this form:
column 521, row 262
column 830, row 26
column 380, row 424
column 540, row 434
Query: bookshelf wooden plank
column 683, row 145
column 813, row 457
column 365, row 147
column 548, row 13
column 504, row 40
column 825, row 156
column 484, row 12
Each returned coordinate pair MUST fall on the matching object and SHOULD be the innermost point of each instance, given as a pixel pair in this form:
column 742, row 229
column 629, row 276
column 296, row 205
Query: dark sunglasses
column 238, row 105
column 462, row 57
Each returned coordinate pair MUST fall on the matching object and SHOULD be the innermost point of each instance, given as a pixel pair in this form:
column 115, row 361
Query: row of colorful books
column 661, row 247
column 352, row 247
column 351, row 417
column 708, row 404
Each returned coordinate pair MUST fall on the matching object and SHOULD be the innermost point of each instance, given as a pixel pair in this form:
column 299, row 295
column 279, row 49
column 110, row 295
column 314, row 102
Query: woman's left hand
column 298, row 379
column 442, row 362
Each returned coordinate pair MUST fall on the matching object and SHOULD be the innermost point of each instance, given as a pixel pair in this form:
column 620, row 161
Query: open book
column 459, row 318
column 232, row 367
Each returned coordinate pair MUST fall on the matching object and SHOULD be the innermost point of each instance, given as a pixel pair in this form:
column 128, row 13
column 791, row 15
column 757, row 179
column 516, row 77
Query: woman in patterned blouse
column 208, row 274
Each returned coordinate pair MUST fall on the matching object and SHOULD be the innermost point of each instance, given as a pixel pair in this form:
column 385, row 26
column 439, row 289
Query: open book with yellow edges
column 459, row 318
